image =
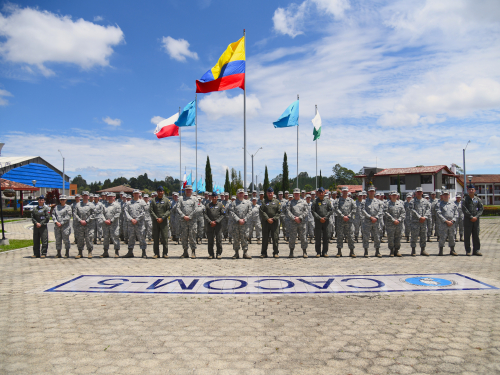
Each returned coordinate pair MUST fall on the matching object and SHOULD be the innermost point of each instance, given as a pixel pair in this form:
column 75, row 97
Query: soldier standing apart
column 111, row 225
column 187, row 209
column 460, row 222
column 254, row 222
column 270, row 212
column 472, row 208
column 99, row 218
column 310, row 219
column 395, row 214
column 135, row 214
column 407, row 216
column 214, row 213
column 297, row 215
column 240, row 212
column 40, row 217
column 447, row 216
column 420, row 211
column 345, row 210
column 372, row 211
column 149, row 227
column 321, row 210
column 160, row 209
column 84, row 214
column 62, row 229
column 73, row 208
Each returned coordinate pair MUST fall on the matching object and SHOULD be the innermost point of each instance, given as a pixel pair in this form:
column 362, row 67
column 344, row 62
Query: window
column 426, row 179
column 73, row 192
column 394, row 180
column 448, row 182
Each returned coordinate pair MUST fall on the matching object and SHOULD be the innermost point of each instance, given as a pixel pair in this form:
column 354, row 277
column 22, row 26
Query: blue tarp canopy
column 44, row 176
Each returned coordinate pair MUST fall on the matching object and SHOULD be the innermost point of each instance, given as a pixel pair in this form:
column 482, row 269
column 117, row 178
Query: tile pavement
column 291, row 334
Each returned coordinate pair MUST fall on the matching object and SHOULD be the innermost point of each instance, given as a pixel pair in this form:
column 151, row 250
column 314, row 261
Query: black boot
column 58, row 254
column 461, row 238
column 440, row 251
column 67, row 253
column 144, row 254
column 339, row 253
column 407, row 238
column 452, row 251
column 366, row 253
column 396, row 252
column 413, row 252
column 423, row 252
column 185, row 254
column 351, row 254
column 105, row 254
column 130, row 254
column 392, row 252
column 377, row 253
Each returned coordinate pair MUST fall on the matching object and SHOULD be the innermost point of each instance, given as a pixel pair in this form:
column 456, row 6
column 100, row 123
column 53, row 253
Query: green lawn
column 16, row 244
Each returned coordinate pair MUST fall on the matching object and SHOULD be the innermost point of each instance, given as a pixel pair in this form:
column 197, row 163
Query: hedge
column 491, row 211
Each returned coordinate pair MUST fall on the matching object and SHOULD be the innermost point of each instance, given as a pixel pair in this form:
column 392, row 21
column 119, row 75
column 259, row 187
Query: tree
column 120, row 181
column 266, row 180
column 308, row 187
column 320, row 179
column 208, row 176
column 344, row 176
column 277, row 186
column 227, row 184
column 79, row 181
column 107, row 184
column 285, row 179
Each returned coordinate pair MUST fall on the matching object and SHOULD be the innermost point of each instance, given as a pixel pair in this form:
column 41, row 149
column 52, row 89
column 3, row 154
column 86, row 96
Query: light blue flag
column 188, row 180
column 290, row 117
column 187, row 116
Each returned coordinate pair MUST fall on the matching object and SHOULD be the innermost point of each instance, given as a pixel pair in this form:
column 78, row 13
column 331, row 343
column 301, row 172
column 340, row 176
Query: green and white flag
column 317, row 126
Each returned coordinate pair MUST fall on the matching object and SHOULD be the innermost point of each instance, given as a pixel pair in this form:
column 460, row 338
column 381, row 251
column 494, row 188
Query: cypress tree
column 285, row 181
column 266, row 180
column 227, row 184
column 208, row 176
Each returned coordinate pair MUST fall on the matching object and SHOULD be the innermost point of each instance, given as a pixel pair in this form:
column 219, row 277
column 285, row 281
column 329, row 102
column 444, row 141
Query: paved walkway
column 403, row 333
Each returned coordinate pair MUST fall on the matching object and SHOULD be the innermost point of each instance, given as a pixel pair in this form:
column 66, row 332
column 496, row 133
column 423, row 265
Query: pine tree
column 320, row 179
column 227, row 184
column 266, row 180
column 208, row 176
column 285, row 181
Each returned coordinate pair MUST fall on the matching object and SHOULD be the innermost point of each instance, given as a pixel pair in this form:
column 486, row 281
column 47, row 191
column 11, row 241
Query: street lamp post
column 64, row 182
column 253, row 184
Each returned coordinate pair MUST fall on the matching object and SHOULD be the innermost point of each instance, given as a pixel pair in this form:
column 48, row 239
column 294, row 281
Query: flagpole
column 180, row 156
column 245, row 118
column 297, row 148
column 196, row 135
column 315, row 113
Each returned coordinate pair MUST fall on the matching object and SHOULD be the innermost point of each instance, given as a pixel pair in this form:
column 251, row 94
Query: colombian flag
column 228, row 73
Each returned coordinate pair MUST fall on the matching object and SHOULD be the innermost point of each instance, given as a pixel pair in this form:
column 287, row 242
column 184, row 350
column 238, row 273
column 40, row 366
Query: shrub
column 491, row 211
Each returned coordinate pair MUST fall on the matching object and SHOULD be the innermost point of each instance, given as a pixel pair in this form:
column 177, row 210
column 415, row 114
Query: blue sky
column 401, row 83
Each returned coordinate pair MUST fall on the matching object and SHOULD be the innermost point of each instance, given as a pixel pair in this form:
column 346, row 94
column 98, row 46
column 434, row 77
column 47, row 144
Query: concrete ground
column 402, row 333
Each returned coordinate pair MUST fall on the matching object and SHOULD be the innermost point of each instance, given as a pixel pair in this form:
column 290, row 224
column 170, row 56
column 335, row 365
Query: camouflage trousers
column 188, row 234
column 381, row 227
column 418, row 230
column 394, row 234
column 200, row 227
column 149, row 228
column 137, row 231
column 84, row 236
column 331, row 226
column 239, row 237
column 430, row 223
column 124, row 228
column 224, row 227
column 254, row 225
column 284, row 225
column 345, row 230
column 459, row 227
column 98, row 228
column 310, row 228
column 62, row 235
column 368, row 228
column 407, row 227
column 298, row 230
column 230, row 226
column 111, row 231
column 174, row 226
column 446, row 233
column 357, row 227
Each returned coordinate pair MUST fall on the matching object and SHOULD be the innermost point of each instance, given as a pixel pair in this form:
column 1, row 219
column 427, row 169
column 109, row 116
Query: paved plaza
column 429, row 332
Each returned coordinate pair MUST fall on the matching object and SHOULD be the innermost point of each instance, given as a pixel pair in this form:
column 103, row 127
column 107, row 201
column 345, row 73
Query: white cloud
column 3, row 94
column 157, row 119
column 336, row 8
column 219, row 104
column 98, row 18
column 178, row 49
column 289, row 21
column 37, row 37
column 112, row 122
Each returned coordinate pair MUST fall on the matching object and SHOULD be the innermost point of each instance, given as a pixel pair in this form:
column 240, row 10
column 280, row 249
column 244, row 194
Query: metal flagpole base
column 4, row 242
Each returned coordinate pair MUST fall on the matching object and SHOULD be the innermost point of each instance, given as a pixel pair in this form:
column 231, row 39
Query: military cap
column 302, row 191
column 199, row 198
column 136, row 191
column 426, row 195
column 262, row 192
column 362, row 193
column 433, row 193
column 445, row 192
column 459, row 195
column 286, row 191
column 175, row 193
column 233, row 197
column 214, row 194
column 62, row 197
column 345, row 188
column 349, row 194
column 122, row 193
column 104, row 193
column 334, row 192
column 254, row 191
column 296, row 190
column 377, row 194
column 41, row 197
column 308, row 195
column 207, row 193
column 188, row 187
column 394, row 192
column 154, row 193
column 274, row 195
column 85, row 193
column 78, row 195
column 270, row 190
column 313, row 192
column 111, row 195
column 160, row 188
column 226, row 194
column 146, row 195
column 194, row 194
column 240, row 191
column 246, row 193
column 280, row 192
column 419, row 189
column 254, row 198
column 470, row 186
column 371, row 188
column 321, row 189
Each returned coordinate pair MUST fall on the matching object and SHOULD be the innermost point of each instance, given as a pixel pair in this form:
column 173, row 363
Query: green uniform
column 472, row 207
column 270, row 209
column 214, row 212
column 321, row 209
column 40, row 215
column 160, row 209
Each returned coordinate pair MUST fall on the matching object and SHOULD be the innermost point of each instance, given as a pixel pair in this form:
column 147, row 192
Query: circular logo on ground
column 429, row 282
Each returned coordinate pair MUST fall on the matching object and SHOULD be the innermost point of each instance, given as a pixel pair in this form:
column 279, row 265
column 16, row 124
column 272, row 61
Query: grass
column 16, row 244
column 11, row 220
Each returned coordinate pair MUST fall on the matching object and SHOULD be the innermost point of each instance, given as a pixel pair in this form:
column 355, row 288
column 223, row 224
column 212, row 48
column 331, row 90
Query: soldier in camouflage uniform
column 123, row 219
column 372, row 212
column 187, row 209
column 406, row 205
column 225, row 202
column 200, row 221
column 283, row 217
column 111, row 225
column 459, row 227
column 73, row 207
column 447, row 216
column 395, row 214
column 260, row 201
column 420, row 209
column 148, row 220
column 99, row 218
column 345, row 210
column 62, row 227
column 239, row 214
column 297, row 212
column 174, row 218
column 254, row 222
column 84, row 214
column 135, row 214
column 230, row 223
column 357, row 217
column 40, row 216
column 310, row 219
column 431, row 224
